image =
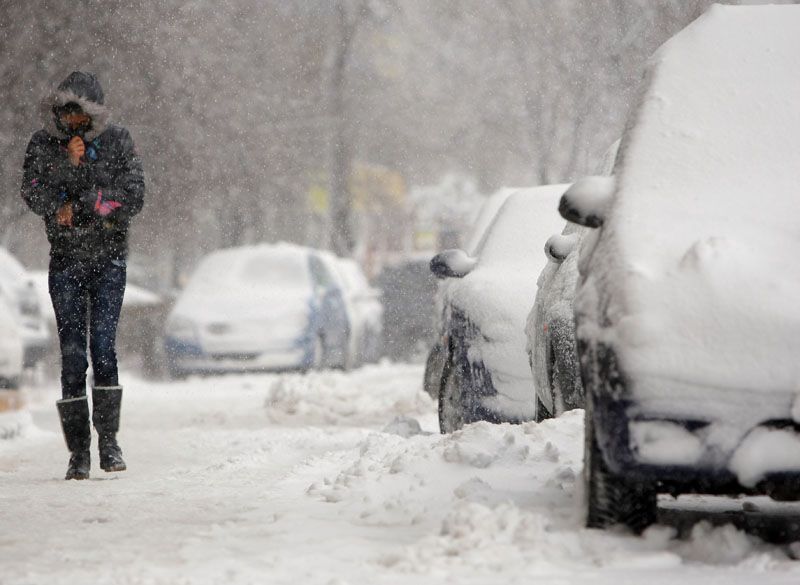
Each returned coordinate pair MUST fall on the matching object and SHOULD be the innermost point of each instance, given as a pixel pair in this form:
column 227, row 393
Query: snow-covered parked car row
column 272, row 307
column 681, row 264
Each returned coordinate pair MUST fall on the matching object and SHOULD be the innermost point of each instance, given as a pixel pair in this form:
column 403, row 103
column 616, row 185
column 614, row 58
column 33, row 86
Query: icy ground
column 307, row 479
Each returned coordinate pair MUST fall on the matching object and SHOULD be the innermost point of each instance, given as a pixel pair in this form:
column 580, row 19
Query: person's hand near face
column 74, row 121
column 64, row 215
column 75, row 150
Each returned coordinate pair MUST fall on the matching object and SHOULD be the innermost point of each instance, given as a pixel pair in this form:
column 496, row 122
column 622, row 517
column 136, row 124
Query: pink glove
column 105, row 208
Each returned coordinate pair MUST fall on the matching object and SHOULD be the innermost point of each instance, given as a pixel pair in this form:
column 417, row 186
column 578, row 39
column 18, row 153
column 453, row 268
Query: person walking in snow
column 83, row 176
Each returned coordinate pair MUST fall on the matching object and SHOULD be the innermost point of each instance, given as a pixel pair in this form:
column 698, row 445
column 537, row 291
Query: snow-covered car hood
column 697, row 259
column 497, row 303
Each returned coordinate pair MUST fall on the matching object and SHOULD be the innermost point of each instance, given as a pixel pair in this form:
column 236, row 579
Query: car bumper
column 186, row 358
column 691, row 454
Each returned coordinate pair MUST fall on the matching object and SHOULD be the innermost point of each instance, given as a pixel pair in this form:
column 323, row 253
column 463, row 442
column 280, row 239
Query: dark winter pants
column 87, row 297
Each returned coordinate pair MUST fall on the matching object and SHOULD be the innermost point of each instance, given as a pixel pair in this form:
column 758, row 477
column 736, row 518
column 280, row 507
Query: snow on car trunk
column 702, row 237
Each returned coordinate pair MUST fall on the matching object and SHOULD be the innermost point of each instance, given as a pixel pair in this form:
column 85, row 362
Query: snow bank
column 502, row 499
column 217, row 493
column 15, row 424
column 390, row 480
column 370, row 394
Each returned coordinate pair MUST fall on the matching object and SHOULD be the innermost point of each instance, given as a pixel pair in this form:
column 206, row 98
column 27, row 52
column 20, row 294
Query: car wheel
column 452, row 412
column 176, row 374
column 611, row 499
column 565, row 378
column 541, row 411
column 318, row 360
column 434, row 368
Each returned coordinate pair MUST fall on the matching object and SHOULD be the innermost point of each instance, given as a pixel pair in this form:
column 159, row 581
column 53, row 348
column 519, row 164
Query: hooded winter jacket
column 106, row 190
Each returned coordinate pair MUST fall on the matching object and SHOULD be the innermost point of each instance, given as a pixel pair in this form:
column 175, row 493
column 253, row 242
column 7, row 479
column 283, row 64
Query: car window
column 319, row 272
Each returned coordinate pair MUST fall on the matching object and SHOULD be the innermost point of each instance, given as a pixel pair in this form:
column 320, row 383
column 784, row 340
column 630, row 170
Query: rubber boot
column 74, row 414
column 106, row 401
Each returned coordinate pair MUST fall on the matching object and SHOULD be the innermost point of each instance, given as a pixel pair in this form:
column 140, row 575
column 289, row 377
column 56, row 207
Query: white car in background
column 262, row 307
column 23, row 301
column 364, row 313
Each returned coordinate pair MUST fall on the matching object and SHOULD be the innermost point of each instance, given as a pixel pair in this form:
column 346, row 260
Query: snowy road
column 298, row 479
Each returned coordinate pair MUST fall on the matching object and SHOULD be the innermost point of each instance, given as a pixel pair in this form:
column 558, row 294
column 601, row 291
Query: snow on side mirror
column 585, row 202
column 452, row 264
column 558, row 247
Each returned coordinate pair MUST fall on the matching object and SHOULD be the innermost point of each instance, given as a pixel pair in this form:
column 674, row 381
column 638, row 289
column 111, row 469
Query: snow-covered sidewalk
column 328, row 478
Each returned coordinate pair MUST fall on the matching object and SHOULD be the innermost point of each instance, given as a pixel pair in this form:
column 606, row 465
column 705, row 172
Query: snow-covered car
column 364, row 313
column 550, row 330
column 264, row 307
column 437, row 356
column 552, row 347
column 12, row 343
column 687, row 310
column 486, row 375
column 21, row 294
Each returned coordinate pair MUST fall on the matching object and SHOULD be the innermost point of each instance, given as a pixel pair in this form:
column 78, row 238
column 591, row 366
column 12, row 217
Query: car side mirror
column 452, row 264
column 559, row 246
column 586, row 201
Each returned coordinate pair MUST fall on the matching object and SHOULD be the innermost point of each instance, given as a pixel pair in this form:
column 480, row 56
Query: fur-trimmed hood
column 84, row 89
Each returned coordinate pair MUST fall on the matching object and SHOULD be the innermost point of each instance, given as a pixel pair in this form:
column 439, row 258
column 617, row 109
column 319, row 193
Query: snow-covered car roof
column 702, row 239
column 256, row 266
column 247, row 281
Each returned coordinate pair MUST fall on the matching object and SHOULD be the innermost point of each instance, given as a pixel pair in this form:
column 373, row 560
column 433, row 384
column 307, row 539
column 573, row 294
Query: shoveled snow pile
column 17, row 424
column 503, row 499
column 366, row 396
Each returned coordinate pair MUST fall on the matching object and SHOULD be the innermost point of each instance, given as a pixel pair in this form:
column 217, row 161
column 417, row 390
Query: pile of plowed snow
column 504, row 498
column 365, row 396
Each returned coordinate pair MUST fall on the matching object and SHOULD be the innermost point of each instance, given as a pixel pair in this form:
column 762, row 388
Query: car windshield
column 522, row 225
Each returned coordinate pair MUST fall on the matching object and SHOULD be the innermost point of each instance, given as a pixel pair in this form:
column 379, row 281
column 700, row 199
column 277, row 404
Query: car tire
column 452, row 411
column 611, row 499
column 565, row 376
column 318, row 359
column 176, row 374
column 434, row 369
column 542, row 413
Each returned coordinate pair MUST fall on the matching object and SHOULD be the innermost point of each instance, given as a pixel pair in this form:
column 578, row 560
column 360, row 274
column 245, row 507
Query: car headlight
column 180, row 328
